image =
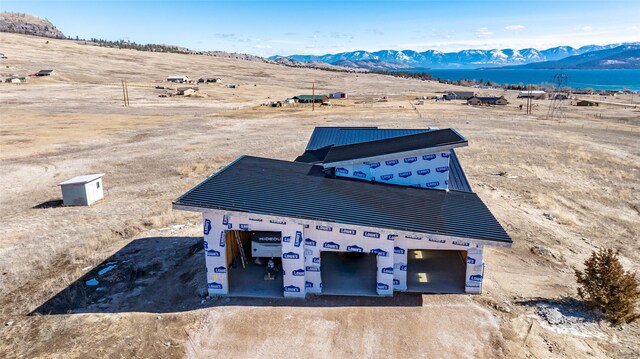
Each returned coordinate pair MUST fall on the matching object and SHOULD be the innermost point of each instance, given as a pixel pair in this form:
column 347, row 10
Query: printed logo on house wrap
column 331, row 245
column 391, row 162
column 387, row 270
column 290, row 255
column 380, row 252
column 255, row 219
column 310, row 242
column 396, row 282
column 308, row 284
column 312, row 269
column 286, row 239
column 436, row 240
column 230, row 225
column 359, row 174
column 315, row 260
column 413, row 237
column 298, row 272
column 442, row 169
column 222, row 240
column 374, row 164
column 410, row 159
column 214, row 285
column 348, row 231
column 220, row 269
column 371, row 234
column 471, row 260
column 398, row 250
column 244, row 227
column 298, row 240
column 324, row 228
column 277, row 221
column 444, row 155
column 386, row 177
column 206, row 245
column 354, row 248
column 423, row 172
column 404, row 174
column 382, row 286
column 403, row 267
column 225, row 219
column 213, row 253
column 476, row 278
column 460, row 243
column 342, row 171
column 292, row 289
column 207, row 226
column 429, row 157
column 391, row 236
column 308, row 252
column 432, row 184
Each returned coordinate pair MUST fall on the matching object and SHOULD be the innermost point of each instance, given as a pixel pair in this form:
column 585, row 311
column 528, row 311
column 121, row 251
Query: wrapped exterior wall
column 427, row 170
column 303, row 241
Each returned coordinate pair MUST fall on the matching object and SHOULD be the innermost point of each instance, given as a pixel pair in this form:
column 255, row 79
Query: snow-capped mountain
column 464, row 59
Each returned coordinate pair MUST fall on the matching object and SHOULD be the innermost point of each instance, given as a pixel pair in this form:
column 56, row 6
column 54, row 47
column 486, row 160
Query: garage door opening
column 348, row 273
column 436, row 271
column 249, row 270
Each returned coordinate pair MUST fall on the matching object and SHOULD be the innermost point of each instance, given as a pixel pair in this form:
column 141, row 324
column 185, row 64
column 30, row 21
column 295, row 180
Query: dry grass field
column 571, row 186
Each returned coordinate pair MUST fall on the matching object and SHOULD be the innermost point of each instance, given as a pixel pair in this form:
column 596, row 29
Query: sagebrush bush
column 605, row 285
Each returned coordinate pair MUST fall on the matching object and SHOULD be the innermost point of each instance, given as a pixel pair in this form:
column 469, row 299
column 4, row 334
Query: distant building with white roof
column 82, row 190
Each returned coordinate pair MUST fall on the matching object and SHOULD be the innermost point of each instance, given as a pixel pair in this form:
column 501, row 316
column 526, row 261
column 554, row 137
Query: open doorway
column 348, row 273
column 436, row 271
column 254, row 264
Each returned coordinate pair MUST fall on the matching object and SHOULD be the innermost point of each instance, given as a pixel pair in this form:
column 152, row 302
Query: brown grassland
column 572, row 186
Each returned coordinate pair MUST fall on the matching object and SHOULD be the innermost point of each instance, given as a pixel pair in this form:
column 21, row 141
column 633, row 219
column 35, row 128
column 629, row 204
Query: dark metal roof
column 339, row 136
column 430, row 139
column 323, row 138
column 300, row 190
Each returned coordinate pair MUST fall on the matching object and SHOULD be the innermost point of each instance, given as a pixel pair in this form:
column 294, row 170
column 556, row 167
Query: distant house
column 45, row 73
column 15, row 79
column 232, row 86
column 476, row 101
column 289, row 101
column 338, row 95
column 2, row 56
column 538, row 95
column 190, row 90
column 178, row 79
column 586, row 103
column 459, row 95
column 209, row 80
column 310, row 98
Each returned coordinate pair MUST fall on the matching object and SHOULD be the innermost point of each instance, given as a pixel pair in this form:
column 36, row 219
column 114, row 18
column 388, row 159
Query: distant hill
column 29, row 25
column 621, row 57
column 466, row 59
column 374, row 65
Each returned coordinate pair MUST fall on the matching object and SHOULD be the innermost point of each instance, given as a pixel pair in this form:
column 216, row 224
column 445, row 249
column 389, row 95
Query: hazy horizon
column 267, row 28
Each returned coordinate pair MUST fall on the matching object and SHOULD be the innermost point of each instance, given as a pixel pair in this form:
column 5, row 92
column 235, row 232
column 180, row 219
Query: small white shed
column 82, row 190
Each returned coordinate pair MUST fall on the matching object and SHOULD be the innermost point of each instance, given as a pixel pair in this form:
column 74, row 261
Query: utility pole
column 313, row 96
column 125, row 93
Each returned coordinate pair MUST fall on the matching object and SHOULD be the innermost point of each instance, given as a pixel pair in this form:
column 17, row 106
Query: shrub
column 606, row 286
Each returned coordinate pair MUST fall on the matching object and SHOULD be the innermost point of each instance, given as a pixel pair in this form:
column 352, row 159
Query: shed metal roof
column 82, row 179
column 309, row 97
column 418, row 141
column 300, row 190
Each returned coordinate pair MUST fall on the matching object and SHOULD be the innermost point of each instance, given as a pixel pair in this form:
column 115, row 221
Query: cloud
column 514, row 27
column 338, row 35
column 584, row 28
column 261, row 46
column 483, row 32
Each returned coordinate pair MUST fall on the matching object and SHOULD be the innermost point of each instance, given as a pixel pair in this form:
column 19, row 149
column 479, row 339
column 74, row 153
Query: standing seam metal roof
column 300, row 190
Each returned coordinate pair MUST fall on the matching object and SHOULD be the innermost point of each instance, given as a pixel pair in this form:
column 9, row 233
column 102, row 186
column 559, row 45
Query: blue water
column 595, row 79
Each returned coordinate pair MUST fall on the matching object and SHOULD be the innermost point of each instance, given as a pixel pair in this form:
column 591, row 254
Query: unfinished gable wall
column 425, row 170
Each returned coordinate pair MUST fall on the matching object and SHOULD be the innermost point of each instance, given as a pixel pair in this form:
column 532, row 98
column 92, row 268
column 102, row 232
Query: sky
column 267, row 28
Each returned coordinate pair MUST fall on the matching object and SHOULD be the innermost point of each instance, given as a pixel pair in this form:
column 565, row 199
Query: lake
column 595, row 79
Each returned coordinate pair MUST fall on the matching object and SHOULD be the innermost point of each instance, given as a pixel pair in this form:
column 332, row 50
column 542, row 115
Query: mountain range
column 465, row 59
column 621, row 57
